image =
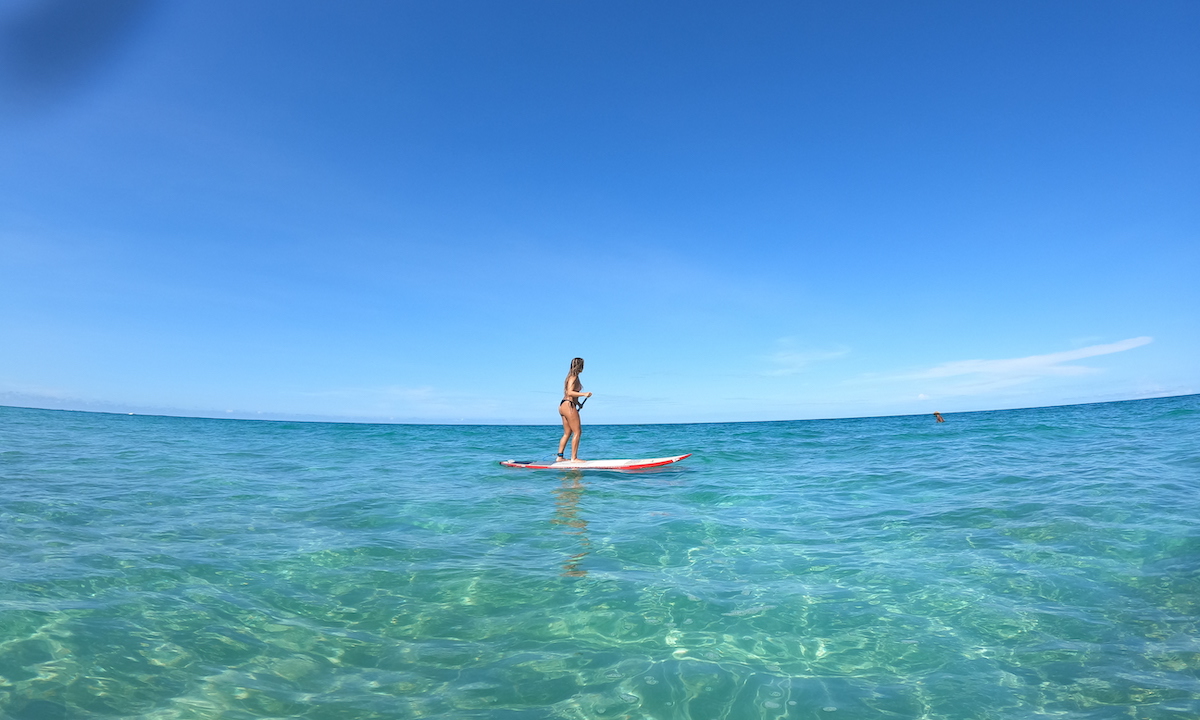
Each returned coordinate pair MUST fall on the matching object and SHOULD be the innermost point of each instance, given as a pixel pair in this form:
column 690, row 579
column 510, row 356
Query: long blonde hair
column 576, row 368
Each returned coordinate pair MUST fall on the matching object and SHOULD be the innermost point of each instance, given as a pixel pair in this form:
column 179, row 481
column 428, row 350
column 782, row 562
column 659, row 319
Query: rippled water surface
column 1018, row 564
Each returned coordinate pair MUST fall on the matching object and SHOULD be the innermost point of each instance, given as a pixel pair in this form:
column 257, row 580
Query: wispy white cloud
column 1034, row 365
column 388, row 400
column 961, row 378
column 420, row 404
column 391, row 392
column 790, row 361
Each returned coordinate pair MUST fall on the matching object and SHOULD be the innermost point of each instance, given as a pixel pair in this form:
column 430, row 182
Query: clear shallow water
column 1018, row 564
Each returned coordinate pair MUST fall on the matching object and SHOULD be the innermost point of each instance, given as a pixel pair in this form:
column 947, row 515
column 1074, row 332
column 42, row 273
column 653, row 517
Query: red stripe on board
column 660, row 463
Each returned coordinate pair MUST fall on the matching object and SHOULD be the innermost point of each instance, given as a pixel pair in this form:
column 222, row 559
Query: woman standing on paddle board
column 569, row 409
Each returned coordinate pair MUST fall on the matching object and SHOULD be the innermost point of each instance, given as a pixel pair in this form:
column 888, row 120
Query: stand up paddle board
column 594, row 464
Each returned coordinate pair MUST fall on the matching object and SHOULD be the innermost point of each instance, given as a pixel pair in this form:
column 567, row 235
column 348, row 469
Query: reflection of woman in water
column 568, row 407
column 566, row 504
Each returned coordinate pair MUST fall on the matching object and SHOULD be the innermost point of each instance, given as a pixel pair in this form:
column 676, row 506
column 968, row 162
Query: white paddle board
column 595, row 464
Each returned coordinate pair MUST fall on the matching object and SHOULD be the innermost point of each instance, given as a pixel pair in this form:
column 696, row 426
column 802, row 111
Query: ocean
column 1040, row 563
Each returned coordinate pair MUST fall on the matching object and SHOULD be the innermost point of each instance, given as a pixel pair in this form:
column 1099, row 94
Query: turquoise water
column 1017, row 564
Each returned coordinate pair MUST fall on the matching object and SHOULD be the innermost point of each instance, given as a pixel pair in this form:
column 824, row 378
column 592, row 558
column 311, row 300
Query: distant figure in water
column 568, row 407
column 939, row 417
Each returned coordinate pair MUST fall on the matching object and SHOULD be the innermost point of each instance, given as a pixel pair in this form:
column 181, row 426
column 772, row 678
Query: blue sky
column 422, row 211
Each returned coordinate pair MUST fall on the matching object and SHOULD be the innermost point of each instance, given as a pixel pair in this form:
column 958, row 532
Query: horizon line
column 632, row 424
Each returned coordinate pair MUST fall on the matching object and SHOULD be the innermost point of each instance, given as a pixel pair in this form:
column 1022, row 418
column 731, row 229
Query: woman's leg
column 571, row 418
column 562, row 444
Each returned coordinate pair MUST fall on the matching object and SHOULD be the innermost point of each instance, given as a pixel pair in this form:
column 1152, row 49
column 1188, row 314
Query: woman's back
column 572, row 384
